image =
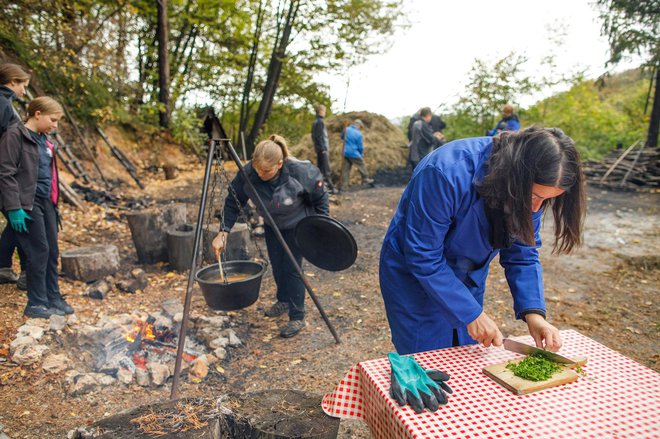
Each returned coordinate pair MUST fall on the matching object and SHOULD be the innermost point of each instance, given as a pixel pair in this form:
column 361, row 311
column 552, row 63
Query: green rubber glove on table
column 17, row 220
column 412, row 384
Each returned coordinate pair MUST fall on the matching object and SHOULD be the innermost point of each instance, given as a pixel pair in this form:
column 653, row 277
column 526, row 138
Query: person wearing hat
column 353, row 154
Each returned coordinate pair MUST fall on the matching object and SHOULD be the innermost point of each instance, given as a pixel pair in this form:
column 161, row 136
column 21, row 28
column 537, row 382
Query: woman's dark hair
column 544, row 156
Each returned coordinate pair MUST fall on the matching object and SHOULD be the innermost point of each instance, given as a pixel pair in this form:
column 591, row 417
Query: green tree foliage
column 596, row 114
column 101, row 56
column 300, row 39
column 633, row 27
column 489, row 87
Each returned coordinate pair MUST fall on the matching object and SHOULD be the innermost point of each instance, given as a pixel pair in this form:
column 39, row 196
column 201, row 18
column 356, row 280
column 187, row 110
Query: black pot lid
column 326, row 243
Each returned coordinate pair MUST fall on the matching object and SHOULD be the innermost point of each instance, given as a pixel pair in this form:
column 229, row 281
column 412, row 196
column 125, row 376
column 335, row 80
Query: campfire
column 145, row 338
column 140, row 347
column 126, row 349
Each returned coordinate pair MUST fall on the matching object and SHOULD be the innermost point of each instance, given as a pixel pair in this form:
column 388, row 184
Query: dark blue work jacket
column 436, row 253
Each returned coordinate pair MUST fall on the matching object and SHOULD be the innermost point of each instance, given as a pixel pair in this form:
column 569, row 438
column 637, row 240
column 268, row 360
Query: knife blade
column 525, row 349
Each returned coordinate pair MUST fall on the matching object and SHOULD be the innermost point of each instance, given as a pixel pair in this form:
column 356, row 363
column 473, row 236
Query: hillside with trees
column 151, row 63
column 597, row 113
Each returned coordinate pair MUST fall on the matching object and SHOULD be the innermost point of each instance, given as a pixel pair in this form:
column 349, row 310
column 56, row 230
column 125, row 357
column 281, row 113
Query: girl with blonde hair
column 28, row 197
column 291, row 189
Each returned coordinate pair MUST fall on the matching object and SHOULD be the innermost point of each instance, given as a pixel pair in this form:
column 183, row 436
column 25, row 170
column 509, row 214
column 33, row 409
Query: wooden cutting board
column 505, row 377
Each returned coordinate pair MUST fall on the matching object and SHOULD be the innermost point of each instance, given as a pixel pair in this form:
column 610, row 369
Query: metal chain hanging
column 243, row 210
column 215, row 184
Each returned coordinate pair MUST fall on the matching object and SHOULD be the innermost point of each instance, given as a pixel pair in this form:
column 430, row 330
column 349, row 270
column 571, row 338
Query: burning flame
column 140, row 328
column 141, row 333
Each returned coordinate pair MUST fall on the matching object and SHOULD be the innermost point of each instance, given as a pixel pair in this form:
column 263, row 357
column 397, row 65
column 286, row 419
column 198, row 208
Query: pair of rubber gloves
column 412, row 384
column 17, row 220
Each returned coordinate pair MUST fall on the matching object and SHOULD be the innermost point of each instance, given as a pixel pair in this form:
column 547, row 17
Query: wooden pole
column 243, row 145
column 87, row 148
column 616, row 163
column 625, row 177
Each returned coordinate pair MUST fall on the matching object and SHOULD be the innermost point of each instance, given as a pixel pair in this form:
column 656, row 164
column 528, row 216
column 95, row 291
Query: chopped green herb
column 534, row 368
column 580, row 371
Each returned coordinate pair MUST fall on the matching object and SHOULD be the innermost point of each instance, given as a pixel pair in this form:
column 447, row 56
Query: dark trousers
column 40, row 247
column 323, row 163
column 290, row 287
column 9, row 243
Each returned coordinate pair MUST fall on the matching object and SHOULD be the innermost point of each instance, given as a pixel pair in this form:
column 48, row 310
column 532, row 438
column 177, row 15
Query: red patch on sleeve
column 319, row 183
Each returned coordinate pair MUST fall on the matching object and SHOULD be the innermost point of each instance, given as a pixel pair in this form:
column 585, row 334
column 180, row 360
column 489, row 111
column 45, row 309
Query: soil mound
column 385, row 145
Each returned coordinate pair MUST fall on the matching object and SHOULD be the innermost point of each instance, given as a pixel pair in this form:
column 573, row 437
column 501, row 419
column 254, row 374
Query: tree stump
column 170, row 171
column 180, row 245
column 238, row 243
column 277, row 414
column 269, row 414
column 90, row 263
column 148, row 229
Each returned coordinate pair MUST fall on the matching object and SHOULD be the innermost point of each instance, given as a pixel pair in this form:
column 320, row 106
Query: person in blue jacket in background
column 509, row 121
column 353, row 155
column 467, row 202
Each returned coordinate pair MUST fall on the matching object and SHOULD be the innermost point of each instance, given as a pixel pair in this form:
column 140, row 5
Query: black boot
column 60, row 304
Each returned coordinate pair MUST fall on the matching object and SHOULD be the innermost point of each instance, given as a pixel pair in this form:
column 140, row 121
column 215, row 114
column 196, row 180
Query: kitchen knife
column 522, row 348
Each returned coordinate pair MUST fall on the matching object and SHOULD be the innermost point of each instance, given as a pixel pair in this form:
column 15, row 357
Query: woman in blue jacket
column 467, row 202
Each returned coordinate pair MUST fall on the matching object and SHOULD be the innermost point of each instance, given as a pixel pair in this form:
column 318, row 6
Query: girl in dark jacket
column 291, row 190
column 28, row 197
column 13, row 82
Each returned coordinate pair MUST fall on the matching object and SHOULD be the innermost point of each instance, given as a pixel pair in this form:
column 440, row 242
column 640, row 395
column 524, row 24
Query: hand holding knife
column 522, row 348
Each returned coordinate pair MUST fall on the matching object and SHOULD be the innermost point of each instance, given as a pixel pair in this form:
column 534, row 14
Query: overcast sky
column 428, row 62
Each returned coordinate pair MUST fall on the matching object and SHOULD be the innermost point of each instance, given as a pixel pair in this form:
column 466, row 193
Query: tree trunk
column 148, row 229
column 120, row 57
column 654, row 124
column 180, row 246
column 90, row 263
column 267, row 414
column 274, row 70
column 163, row 64
column 247, row 89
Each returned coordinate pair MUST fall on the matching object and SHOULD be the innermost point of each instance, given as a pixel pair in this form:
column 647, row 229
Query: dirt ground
column 607, row 291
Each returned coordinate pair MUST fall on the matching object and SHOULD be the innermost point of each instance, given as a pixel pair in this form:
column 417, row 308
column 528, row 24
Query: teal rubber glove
column 412, row 384
column 17, row 220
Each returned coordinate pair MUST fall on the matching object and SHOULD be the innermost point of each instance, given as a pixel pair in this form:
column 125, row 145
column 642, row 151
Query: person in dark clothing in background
column 322, row 146
column 424, row 139
column 414, row 118
column 291, row 189
column 14, row 81
column 509, row 121
column 28, row 197
column 436, row 123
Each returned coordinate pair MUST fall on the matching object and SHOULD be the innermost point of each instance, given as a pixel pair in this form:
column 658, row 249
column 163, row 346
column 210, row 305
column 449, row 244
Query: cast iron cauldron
column 232, row 295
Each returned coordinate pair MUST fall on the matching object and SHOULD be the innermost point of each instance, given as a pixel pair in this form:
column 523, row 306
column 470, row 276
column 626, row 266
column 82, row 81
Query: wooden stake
column 616, row 163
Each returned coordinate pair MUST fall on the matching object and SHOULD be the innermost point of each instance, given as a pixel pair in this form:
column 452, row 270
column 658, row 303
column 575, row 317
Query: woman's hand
column 485, row 331
column 545, row 335
column 219, row 243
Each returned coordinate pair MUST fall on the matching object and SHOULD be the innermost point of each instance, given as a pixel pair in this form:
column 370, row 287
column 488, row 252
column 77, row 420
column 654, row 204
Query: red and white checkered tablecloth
column 618, row 398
